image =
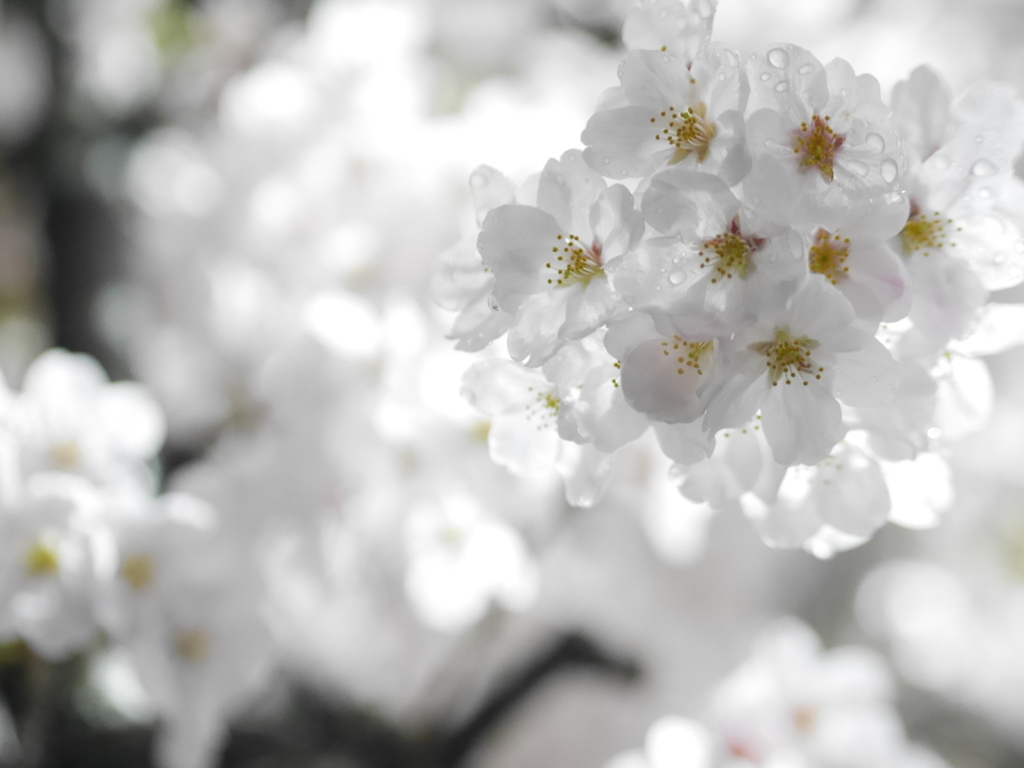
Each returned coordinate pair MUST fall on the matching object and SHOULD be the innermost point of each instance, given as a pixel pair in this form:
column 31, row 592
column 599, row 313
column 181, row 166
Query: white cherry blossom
column 794, row 365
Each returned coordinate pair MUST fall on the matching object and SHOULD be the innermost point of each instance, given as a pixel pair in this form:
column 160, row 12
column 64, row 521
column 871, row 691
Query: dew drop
column 999, row 259
column 889, row 170
column 941, row 162
column 782, row 87
column 979, row 139
column 677, row 277
column 493, row 304
column 875, row 141
column 607, row 160
column 765, row 76
column 778, row 58
column 983, row 167
column 857, row 167
column 806, row 69
column 666, row 58
column 985, row 193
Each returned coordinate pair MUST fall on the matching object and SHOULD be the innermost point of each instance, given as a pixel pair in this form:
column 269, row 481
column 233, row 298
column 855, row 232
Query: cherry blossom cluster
column 90, row 554
column 784, row 278
column 790, row 703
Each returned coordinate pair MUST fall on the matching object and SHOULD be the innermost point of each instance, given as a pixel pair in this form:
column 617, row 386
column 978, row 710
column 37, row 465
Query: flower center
column 138, row 570
column 924, row 232
column 788, row 358
column 818, row 144
column 42, row 559
column 804, row 718
column 688, row 353
column 575, row 262
column 730, row 253
column 66, row 455
column 828, row 256
column 689, row 131
column 192, row 645
column 544, row 408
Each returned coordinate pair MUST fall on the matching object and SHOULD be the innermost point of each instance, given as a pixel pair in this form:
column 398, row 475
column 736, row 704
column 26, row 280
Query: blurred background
column 239, row 203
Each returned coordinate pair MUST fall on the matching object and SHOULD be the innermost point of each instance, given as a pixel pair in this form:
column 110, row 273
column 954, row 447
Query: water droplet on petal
column 782, row 87
column 493, row 304
column 765, row 76
column 979, row 139
column 889, row 170
column 607, row 160
column 983, row 167
column 677, row 277
column 1019, row 246
column 778, row 58
column 985, row 193
column 806, row 69
column 875, row 141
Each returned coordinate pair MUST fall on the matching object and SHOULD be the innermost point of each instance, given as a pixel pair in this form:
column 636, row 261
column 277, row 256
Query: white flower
column 70, row 418
column 794, row 365
column 732, row 264
column 820, row 137
column 667, row 378
column 460, row 560
column 532, row 427
column 47, row 566
column 673, row 111
column 854, row 257
column 201, row 654
column 550, row 261
column 790, row 700
column 834, row 505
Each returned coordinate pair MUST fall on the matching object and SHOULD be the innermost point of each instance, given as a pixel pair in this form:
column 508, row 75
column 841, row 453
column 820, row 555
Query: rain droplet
column 493, row 304
column 985, row 193
column 889, row 170
column 778, row 58
column 979, row 139
column 782, row 87
column 941, row 162
column 806, row 69
column 857, row 167
column 875, row 141
column 983, row 167
column 677, row 277
column 607, row 160
column 765, row 76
